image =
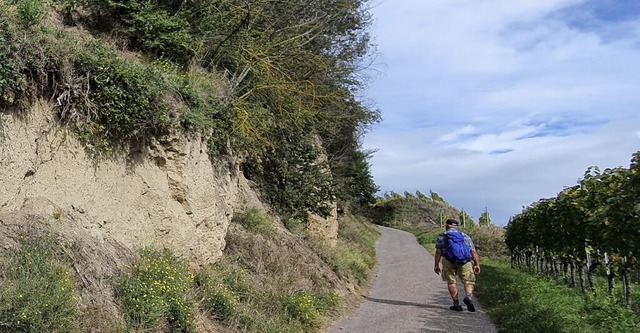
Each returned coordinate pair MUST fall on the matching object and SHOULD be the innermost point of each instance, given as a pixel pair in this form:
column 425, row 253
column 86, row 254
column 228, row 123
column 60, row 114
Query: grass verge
column 520, row 302
column 354, row 254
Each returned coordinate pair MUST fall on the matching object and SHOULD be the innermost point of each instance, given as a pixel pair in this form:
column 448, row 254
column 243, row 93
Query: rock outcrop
column 170, row 194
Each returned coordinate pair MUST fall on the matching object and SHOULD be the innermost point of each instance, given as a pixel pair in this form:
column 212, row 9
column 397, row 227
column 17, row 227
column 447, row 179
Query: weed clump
column 39, row 292
column 255, row 220
column 155, row 291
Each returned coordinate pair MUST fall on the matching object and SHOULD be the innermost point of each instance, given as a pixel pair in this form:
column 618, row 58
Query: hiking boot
column 456, row 307
column 469, row 304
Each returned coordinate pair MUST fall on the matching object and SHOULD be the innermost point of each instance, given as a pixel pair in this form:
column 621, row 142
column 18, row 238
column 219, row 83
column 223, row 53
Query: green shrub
column 302, row 306
column 31, row 12
column 255, row 220
column 155, row 290
column 489, row 241
column 38, row 293
column 9, row 70
column 293, row 224
column 169, row 37
column 126, row 96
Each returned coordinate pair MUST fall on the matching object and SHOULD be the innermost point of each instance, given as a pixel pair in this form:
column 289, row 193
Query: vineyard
column 587, row 232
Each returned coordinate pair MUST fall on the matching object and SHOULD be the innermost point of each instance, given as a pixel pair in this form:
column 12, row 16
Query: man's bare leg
column 453, row 291
column 468, row 300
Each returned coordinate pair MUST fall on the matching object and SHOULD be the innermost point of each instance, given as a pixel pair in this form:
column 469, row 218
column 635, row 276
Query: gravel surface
column 407, row 296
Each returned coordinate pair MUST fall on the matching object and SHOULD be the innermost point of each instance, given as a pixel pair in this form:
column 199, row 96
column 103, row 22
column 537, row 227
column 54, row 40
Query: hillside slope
column 151, row 183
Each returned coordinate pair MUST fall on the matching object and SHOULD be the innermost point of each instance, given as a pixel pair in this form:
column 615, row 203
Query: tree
column 484, row 218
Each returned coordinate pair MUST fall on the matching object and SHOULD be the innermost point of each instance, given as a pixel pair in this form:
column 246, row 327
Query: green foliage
column 294, row 179
column 293, row 224
column 354, row 256
column 466, row 218
column 38, row 292
column 229, row 296
column 10, row 75
column 602, row 210
column 155, row 290
column 31, row 12
column 128, row 95
column 256, row 220
column 421, row 196
column 484, row 219
column 291, row 74
column 302, row 306
column 222, row 289
column 352, row 176
column 347, row 261
column 489, row 241
column 436, row 197
column 220, row 300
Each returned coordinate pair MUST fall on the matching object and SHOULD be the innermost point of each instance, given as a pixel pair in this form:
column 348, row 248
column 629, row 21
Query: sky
column 495, row 104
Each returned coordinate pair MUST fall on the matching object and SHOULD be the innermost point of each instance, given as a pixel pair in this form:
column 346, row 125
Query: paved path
column 407, row 296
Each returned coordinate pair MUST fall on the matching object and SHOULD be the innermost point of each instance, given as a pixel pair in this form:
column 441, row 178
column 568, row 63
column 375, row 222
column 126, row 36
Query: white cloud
column 453, row 136
column 497, row 103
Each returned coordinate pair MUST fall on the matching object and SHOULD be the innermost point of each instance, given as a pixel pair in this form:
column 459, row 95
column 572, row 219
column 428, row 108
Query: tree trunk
column 610, row 275
column 572, row 269
column 626, row 278
column 581, row 275
column 590, row 271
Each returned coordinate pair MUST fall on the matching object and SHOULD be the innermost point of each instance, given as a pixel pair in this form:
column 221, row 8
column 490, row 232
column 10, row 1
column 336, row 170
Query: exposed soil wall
column 168, row 195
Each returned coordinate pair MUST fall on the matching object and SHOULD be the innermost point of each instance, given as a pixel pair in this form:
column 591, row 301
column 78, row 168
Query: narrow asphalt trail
column 407, row 296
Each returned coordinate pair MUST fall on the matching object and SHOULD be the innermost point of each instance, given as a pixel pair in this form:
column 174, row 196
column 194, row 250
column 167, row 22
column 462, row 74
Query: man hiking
column 460, row 261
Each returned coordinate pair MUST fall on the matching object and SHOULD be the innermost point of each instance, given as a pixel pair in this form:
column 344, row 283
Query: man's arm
column 436, row 267
column 476, row 261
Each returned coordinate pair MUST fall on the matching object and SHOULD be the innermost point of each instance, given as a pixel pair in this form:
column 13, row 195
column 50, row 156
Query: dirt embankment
column 169, row 194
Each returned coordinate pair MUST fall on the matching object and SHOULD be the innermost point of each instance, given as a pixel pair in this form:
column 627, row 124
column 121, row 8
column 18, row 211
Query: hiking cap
column 452, row 222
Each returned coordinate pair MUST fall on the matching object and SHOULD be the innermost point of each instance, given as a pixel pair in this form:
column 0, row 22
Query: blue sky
column 498, row 103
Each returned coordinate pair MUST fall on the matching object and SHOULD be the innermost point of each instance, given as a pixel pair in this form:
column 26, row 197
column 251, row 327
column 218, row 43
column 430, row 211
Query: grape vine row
column 594, row 224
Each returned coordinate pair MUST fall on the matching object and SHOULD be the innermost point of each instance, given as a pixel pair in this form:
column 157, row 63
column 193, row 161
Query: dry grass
column 281, row 283
column 287, row 283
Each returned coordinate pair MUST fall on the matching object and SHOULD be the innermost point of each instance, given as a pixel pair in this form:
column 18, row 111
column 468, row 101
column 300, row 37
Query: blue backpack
column 456, row 249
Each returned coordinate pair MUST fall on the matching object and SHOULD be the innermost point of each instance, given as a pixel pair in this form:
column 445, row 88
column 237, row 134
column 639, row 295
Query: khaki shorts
column 450, row 272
